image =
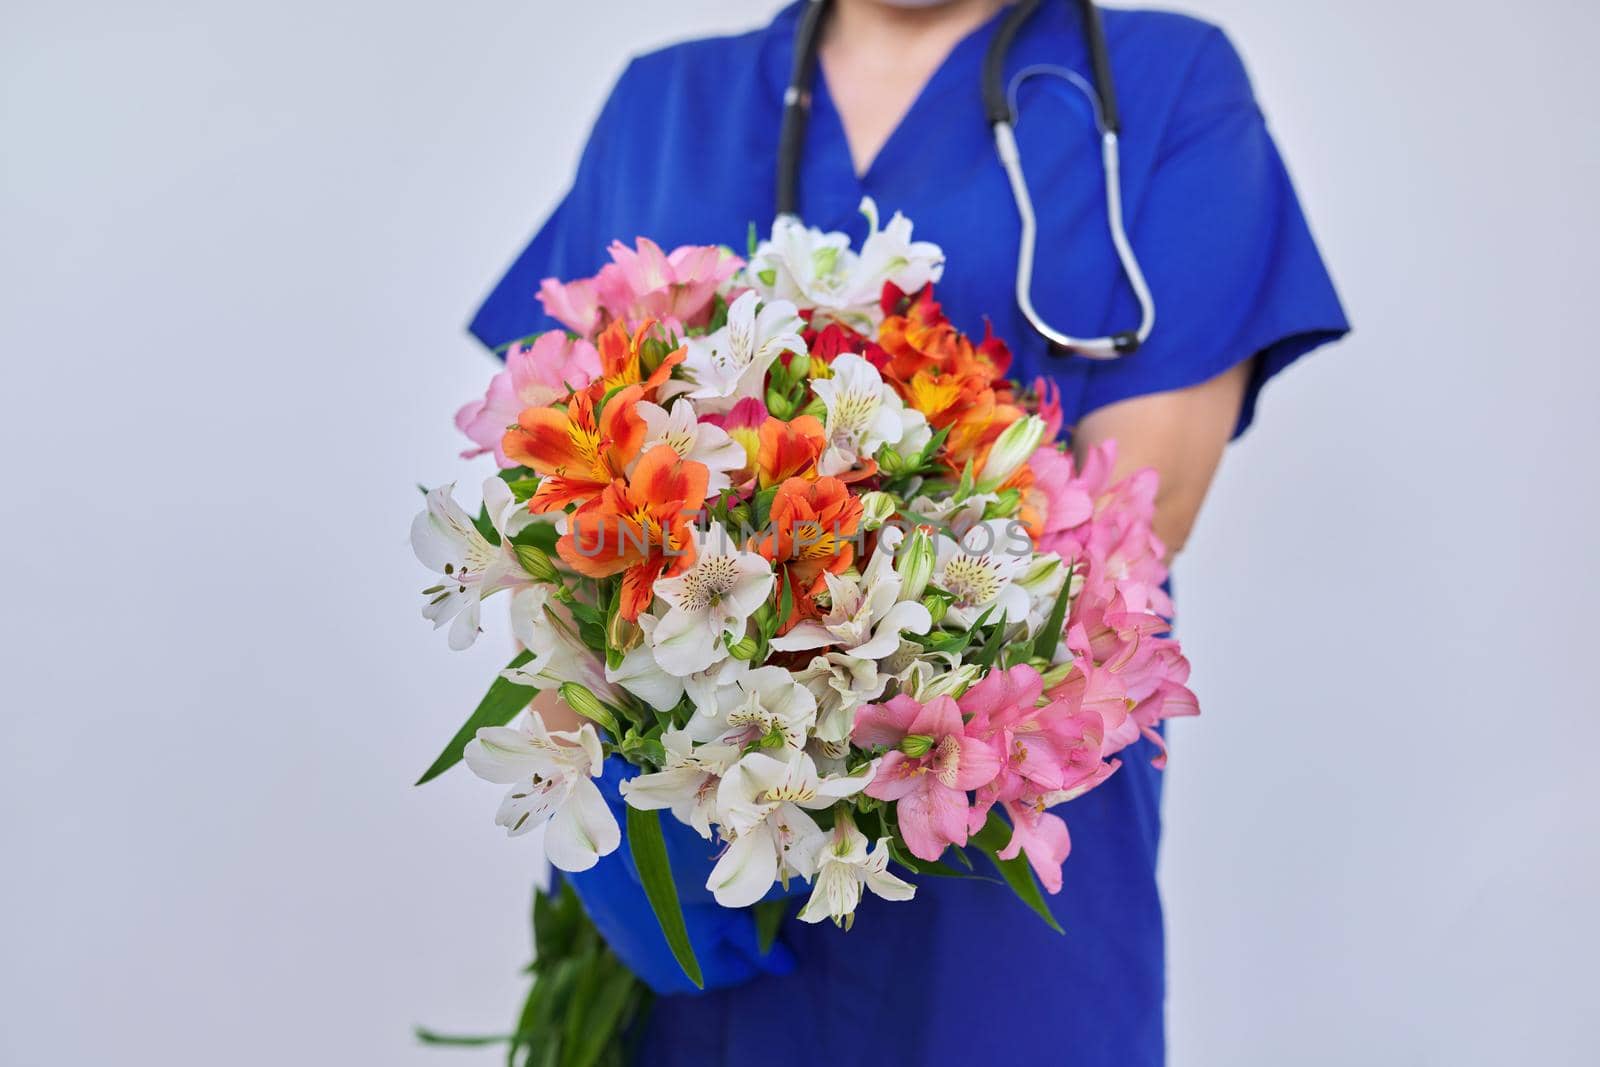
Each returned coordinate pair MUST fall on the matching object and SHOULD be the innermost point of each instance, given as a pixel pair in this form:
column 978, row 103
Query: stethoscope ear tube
column 997, row 108
column 797, row 107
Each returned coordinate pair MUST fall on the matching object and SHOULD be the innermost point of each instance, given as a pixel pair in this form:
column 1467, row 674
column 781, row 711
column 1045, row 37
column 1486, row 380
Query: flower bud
column 950, row 683
column 890, row 461
column 537, row 563
column 915, row 566
column 585, row 703
column 622, row 635
column 915, row 745
column 937, row 606
column 1010, row 451
column 876, row 508
column 744, row 648
column 778, row 405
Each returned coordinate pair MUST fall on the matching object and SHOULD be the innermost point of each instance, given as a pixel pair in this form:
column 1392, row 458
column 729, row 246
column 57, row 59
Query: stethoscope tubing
column 1002, row 120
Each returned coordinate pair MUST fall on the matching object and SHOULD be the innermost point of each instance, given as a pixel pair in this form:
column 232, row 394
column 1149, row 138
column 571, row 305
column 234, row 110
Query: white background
column 239, row 242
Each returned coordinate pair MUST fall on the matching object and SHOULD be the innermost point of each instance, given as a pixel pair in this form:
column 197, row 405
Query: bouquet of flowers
column 807, row 562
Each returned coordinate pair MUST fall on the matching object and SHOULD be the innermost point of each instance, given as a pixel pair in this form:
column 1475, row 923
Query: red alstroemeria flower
column 812, row 526
column 639, row 528
column 576, row 455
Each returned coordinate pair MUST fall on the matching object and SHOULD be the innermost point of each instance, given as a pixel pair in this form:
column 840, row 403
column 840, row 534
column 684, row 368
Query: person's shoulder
column 1187, row 54
column 709, row 59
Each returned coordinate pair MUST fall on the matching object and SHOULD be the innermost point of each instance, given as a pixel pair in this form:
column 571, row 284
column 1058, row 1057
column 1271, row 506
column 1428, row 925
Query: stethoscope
column 1000, row 111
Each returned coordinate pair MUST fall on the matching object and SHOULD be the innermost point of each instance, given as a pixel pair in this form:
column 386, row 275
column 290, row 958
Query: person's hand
column 724, row 939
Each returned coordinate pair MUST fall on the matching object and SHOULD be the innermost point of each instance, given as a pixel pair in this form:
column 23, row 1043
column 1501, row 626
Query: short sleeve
column 1225, row 246
column 563, row 248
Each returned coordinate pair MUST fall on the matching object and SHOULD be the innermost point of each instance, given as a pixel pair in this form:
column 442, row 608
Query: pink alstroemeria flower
column 534, row 377
column 930, row 788
column 641, row 283
column 1049, row 755
column 1066, row 503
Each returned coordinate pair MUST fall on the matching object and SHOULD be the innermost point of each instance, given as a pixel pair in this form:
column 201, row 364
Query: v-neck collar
column 963, row 64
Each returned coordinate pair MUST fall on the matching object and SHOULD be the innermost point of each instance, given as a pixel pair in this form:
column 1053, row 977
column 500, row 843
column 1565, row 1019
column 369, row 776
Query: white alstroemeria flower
column 761, row 806
column 714, row 597
column 979, row 571
column 843, row 868
column 763, row 701
column 687, row 783
column 700, row 441
column 702, row 687
column 818, row 270
column 558, row 654
column 925, row 681
column 445, row 540
column 724, row 367
column 1010, row 451
column 551, row 781
column 641, row 675
column 863, row 413
column 953, row 516
column 866, row 617
column 841, row 684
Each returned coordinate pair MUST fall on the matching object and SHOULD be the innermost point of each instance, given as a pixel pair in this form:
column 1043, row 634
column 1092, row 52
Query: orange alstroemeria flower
column 575, row 455
column 920, row 337
column 789, row 449
column 621, row 364
column 639, row 528
column 812, row 524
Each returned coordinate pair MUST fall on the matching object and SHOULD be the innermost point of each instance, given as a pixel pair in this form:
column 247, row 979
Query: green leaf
column 650, row 858
column 991, row 651
column 433, row 1037
column 1049, row 635
column 498, row 707
column 599, row 1014
column 1018, row 875
column 769, row 918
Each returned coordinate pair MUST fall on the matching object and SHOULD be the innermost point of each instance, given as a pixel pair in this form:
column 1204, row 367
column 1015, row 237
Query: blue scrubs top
column 684, row 152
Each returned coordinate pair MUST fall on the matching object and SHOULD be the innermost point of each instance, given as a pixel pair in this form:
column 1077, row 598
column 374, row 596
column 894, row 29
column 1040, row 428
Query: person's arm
column 1181, row 434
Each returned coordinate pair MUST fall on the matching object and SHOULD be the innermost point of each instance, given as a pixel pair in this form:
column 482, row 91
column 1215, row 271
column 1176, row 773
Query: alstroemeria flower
column 841, row 683
column 1049, row 755
column 686, row 783
column 761, row 806
column 714, row 597
column 535, row 376
column 559, row 655
column 446, row 541
column 743, row 423
column 641, row 283
column 813, row 523
column 639, row 528
column 702, row 442
column 818, row 270
column 622, row 362
column 930, row 788
column 844, row 866
column 865, row 617
column 863, row 414
column 764, row 702
column 978, row 571
column 727, row 366
column 551, row 782
column 576, row 455
column 788, row 449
